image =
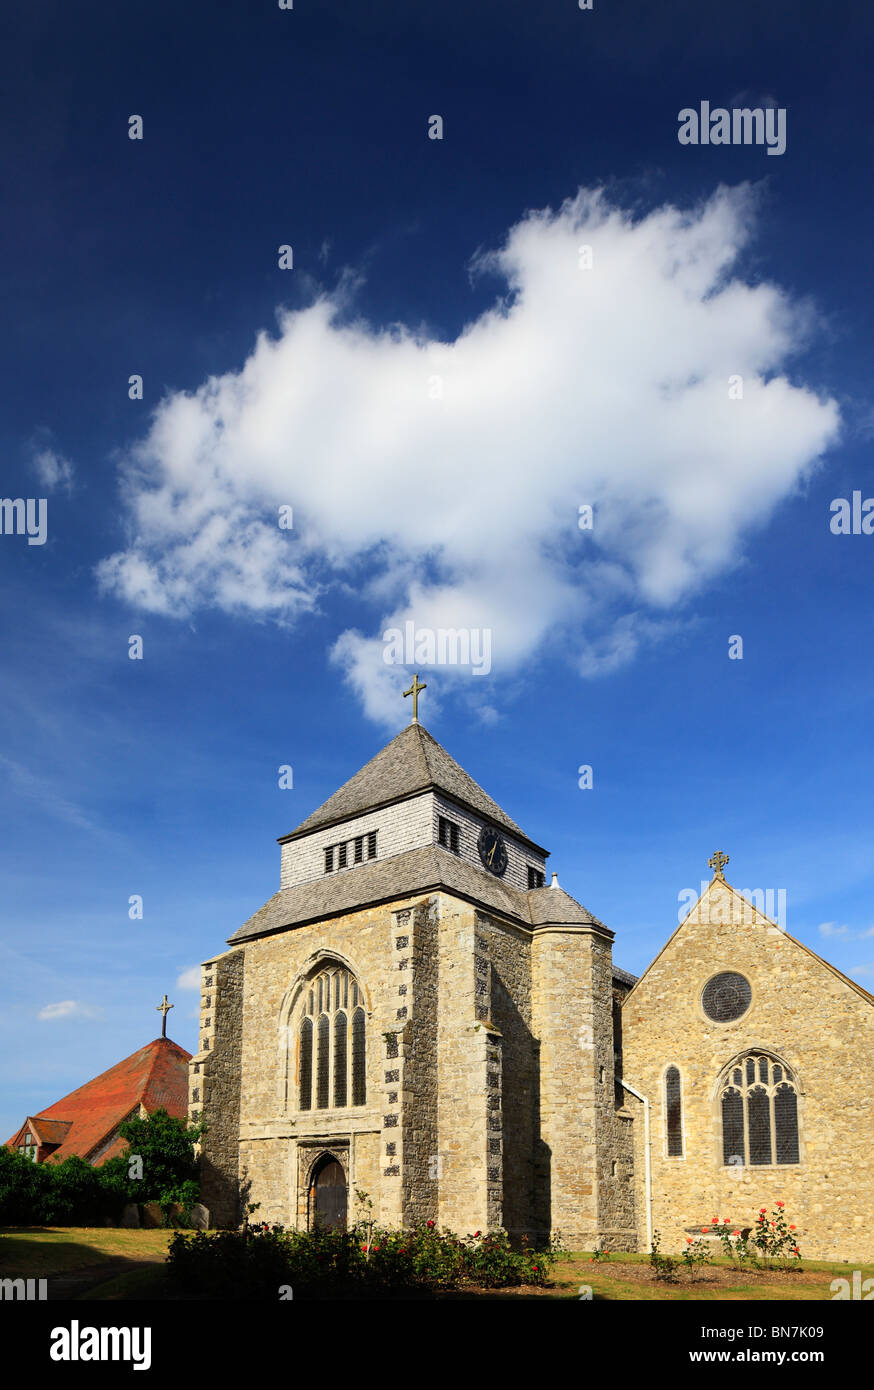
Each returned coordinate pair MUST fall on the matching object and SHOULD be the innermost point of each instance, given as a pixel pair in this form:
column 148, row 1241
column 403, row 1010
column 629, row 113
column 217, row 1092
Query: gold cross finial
column 717, row 863
column 414, row 691
column 164, row 1008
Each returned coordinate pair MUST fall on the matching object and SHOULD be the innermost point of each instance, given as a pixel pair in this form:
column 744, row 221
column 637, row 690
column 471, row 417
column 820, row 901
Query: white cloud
column 52, row 469
column 189, row 978
column 67, row 1008
column 606, row 386
column 832, row 929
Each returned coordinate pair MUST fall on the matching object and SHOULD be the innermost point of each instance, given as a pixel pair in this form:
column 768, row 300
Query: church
column 87, row 1122
column 419, row 1026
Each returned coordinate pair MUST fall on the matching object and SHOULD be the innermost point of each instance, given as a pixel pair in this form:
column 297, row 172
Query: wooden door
column 329, row 1206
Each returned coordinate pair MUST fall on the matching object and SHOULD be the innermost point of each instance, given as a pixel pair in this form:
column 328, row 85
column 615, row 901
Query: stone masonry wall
column 804, row 1014
column 506, row 1002
column 416, row 974
column 214, row 1084
column 578, row 1192
column 614, row 1122
column 460, row 1124
column 278, row 1142
column 468, row 1107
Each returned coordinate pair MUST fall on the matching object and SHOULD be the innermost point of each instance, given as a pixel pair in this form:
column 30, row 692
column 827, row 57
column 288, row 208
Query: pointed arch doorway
column 328, row 1194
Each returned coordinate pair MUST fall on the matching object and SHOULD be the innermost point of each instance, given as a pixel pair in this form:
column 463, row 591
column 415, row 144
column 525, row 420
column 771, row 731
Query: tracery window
column 332, row 1042
column 759, row 1105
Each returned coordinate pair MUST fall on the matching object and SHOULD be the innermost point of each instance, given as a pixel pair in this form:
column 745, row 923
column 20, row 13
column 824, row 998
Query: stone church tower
column 416, row 1016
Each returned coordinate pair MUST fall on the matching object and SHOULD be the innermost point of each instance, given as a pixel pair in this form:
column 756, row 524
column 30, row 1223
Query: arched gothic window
column 330, row 1052
column 759, row 1105
column 673, row 1113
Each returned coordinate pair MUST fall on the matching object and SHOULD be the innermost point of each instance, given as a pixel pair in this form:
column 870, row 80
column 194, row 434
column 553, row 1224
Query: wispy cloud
column 845, row 933
column 67, row 1008
column 862, row 969
column 45, row 794
column 189, row 978
column 52, row 468
column 832, row 929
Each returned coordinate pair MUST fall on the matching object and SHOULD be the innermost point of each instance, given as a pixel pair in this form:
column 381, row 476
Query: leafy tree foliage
column 159, row 1166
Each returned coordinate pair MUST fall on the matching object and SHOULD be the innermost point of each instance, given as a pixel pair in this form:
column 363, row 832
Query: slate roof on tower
column 406, row 875
column 413, row 762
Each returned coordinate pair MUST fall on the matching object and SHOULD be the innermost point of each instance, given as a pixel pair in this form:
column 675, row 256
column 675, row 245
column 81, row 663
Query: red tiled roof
column 49, row 1131
column 156, row 1076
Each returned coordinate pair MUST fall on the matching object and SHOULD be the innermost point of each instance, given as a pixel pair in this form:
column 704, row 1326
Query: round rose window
column 726, row 997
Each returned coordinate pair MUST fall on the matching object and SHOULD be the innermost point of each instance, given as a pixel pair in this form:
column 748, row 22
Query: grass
column 629, row 1277
column 43, row 1252
column 149, row 1283
column 40, row 1251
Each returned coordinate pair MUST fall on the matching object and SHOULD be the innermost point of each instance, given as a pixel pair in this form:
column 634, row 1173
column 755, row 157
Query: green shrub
column 697, row 1252
column 772, row 1239
column 663, row 1266
column 24, row 1190
column 165, row 1146
column 73, row 1193
column 366, row 1261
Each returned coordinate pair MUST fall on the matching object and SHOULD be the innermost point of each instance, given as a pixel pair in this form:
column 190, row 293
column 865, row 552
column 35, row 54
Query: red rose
column 725, row 1221
column 714, row 1220
column 762, row 1210
column 688, row 1240
column 735, row 1233
column 535, row 1269
column 792, row 1228
column 779, row 1204
column 705, row 1230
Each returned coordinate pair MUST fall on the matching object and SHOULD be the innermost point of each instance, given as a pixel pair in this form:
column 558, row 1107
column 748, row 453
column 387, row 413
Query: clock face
column 492, row 851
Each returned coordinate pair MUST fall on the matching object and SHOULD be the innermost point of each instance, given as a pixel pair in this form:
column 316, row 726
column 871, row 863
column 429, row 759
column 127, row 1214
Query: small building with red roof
column 86, row 1122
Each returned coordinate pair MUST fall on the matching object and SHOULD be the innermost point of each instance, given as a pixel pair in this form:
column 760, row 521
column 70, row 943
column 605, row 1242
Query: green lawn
column 38, row 1251
column 134, row 1262
column 628, row 1277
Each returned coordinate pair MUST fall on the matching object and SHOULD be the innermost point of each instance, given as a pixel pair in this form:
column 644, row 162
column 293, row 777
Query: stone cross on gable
column 717, row 863
column 164, row 1008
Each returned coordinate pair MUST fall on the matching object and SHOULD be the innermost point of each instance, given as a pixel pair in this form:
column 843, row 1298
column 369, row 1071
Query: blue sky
column 416, row 259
